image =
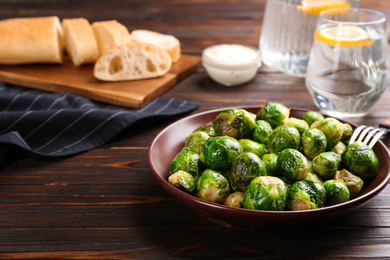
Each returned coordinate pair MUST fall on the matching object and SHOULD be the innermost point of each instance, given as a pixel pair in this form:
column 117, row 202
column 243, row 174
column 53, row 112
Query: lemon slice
column 315, row 7
column 343, row 36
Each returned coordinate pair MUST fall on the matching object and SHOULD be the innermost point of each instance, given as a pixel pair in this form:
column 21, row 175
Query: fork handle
column 385, row 123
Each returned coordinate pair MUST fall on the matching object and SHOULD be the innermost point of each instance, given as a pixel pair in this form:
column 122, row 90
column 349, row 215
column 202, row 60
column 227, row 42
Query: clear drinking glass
column 288, row 29
column 348, row 67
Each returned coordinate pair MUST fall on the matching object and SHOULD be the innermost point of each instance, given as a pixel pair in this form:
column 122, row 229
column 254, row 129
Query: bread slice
column 80, row 42
column 164, row 41
column 31, row 40
column 110, row 33
column 132, row 61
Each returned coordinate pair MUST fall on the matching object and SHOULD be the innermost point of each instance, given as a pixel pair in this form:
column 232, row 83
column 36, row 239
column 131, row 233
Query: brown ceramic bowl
column 171, row 140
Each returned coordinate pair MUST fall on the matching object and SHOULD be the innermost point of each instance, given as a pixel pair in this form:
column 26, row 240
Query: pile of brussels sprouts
column 271, row 161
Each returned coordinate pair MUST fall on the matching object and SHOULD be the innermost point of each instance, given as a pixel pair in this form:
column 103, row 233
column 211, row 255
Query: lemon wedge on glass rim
column 315, row 7
column 343, row 36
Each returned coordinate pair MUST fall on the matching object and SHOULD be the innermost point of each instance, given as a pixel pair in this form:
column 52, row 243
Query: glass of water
column 348, row 66
column 288, row 29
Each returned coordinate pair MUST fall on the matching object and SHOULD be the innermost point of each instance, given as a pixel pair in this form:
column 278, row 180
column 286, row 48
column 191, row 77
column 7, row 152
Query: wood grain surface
column 67, row 78
column 105, row 203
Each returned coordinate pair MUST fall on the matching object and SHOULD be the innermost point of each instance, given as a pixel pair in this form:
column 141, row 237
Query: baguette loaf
column 133, row 61
column 110, row 33
column 166, row 42
column 31, row 40
column 80, row 42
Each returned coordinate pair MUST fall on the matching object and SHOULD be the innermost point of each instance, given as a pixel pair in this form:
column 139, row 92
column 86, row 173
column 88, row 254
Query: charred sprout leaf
column 333, row 130
column 304, row 195
column 249, row 145
column 195, row 141
column 300, row 124
column 326, row 164
column 237, row 123
column 212, row 186
column 271, row 163
column 336, row 192
column 187, row 161
column 283, row 137
column 219, row 152
column 312, row 116
column 208, row 128
column 274, row 113
column 261, row 131
column 182, row 179
column 266, row 193
column 313, row 177
column 292, row 164
column 359, row 159
column 347, row 133
column 245, row 168
column 235, row 200
column 339, row 148
column 353, row 182
column 313, row 142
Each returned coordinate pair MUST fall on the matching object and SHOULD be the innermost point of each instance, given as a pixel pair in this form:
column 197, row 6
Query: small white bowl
column 231, row 64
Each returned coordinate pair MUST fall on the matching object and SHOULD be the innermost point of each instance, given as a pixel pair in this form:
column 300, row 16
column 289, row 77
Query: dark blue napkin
column 42, row 124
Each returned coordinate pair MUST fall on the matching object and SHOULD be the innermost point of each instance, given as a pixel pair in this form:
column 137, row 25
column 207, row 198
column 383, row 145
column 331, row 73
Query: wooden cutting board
column 66, row 78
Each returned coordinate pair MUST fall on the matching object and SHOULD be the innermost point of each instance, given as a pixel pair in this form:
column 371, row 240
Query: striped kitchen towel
column 45, row 124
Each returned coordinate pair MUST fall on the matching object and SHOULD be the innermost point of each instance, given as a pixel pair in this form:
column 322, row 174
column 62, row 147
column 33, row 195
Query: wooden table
column 105, row 203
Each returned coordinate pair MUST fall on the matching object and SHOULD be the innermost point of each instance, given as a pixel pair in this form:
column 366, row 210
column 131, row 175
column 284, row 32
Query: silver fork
column 370, row 134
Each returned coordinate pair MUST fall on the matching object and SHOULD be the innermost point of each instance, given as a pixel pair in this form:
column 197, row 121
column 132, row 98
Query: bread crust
column 164, row 41
column 110, row 33
column 132, row 61
column 80, row 42
column 31, row 40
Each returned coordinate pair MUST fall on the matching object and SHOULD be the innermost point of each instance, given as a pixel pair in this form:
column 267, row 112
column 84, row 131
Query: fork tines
column 370, row 134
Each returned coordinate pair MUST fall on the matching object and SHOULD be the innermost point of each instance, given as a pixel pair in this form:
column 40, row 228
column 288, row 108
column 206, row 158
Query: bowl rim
column 360, row 200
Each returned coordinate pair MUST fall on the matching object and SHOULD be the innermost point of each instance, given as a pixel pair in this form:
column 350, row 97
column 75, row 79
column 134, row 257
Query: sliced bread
column 132, row 61
column 164, row 41
column 31, row 40
column 80, row 42
column 110, row 33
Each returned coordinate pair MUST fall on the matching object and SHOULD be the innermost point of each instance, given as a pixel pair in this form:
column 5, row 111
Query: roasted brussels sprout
column 313, row 142
column 347, row 133
column 300, row 124
column 310, row 168
column 187, row 161
column 312, row 116
column 283, row 137
column 304, row 195
column 235, row 200
column 207, row 128
column 353, row 182
column 359, row 159
column 336, row 192
column 218, row 153
column 339, row 148
column 292, row 164
column 266, row 193
column 245, row 168
column 182, row 179
column 212, row 186
column 333, row 130
column 236, row 122
column 271, row 163
column 195, row 141
column 274, row 113
column 310, row 176
column 261, row 131
column 326, row 164
column 254, row 147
